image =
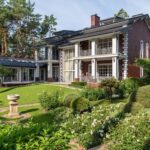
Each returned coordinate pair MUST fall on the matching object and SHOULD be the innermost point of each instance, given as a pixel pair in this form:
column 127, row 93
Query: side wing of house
column 138, row 45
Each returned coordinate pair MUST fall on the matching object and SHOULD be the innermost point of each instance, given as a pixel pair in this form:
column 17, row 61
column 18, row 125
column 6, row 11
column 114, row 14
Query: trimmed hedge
column 69, row 98
column 79, row 84
column 80, row 105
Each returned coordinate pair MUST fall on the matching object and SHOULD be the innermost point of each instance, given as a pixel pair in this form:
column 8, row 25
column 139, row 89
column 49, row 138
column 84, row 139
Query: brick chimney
column 95, row 19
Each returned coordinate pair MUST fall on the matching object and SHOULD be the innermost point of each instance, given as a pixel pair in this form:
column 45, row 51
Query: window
column 14, row 75
column 104, row 70
column 31, row 74
column 104, row 46
column 55, row 54
column 25, row 74
column 68, row 65
column 42, row 53
column 69, row 54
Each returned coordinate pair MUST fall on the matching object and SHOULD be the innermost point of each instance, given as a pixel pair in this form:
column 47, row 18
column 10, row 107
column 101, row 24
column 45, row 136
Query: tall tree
column 122, row 14
column 21, row 27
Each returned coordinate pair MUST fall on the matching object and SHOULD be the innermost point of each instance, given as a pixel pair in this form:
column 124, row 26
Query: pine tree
column 122, row 14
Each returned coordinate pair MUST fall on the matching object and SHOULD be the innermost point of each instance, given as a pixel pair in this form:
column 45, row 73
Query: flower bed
column 89, row 128
column 132, row 133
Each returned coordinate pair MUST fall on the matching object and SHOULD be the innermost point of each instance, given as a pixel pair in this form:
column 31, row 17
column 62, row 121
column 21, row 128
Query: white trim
column 125, row 52
column 93, row 48
column 95, row 37
column 97, row 56
column 93, row 68
column 115, row 68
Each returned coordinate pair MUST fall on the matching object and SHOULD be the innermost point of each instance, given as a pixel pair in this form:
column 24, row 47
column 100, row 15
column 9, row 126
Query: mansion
column 108, row 48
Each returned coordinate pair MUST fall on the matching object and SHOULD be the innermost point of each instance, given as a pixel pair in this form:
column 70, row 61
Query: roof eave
column 95, row 37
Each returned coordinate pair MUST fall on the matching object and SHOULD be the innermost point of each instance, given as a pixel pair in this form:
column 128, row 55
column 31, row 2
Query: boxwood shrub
column 79, row 105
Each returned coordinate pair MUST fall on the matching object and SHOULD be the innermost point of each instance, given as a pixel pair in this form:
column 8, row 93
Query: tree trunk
column 4, row 41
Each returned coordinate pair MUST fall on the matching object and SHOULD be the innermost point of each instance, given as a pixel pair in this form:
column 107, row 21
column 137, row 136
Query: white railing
column 104, row 51
column 85, row 52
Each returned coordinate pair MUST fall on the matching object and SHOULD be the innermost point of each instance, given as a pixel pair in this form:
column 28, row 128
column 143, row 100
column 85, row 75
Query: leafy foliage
column 110, row 85
column 145, row 63
column 68, row 99
column 131, row 133
column 21, row 27
column 93, row 94
column 4, row 72
column 79, row 105
column 49, row 101
column 79, row 84
column 122, row 14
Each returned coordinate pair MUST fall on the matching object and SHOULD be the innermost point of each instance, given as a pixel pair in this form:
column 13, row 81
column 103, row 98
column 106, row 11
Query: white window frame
column 109, row 70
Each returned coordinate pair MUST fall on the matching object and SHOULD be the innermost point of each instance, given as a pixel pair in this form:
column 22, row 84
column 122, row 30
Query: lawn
column 29, row 94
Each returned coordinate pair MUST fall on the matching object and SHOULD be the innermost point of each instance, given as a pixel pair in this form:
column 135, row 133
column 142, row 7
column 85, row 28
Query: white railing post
column 115, row 68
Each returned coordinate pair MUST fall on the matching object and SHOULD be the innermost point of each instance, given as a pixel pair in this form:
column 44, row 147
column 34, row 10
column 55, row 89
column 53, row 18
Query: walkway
column 4, row 109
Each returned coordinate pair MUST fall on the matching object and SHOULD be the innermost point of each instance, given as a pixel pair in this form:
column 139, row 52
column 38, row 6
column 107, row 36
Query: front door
column 55, row 73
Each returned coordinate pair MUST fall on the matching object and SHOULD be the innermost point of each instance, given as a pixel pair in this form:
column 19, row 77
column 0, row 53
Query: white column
column 36, row 55
column 20, row 74
column 77, row 49
column 93, row 67
column 93, row 48
column 80, row 70
column 37, row 71
column 49, row 71
column 76, row 65
column 115, row 68
column 115, row 45
column 147, row 50
column 49, row 53
column 141, row 56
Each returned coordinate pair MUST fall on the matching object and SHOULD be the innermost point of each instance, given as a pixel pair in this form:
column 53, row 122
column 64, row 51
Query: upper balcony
column 48, row 54
column 99, row 47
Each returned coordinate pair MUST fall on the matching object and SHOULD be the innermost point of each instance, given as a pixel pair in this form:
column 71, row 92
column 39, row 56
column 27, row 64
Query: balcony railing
column 85, row 52
column 104, row 51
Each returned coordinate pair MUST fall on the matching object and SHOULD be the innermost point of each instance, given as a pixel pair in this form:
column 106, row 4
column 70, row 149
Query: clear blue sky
column 75, row 14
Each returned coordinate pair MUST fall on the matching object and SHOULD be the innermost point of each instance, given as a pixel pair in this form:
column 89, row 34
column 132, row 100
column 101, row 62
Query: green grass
column 29, row 94
column 143, row 96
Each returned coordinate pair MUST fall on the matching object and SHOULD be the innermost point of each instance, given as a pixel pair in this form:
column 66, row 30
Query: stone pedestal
column 13, row 106
column 13, row 109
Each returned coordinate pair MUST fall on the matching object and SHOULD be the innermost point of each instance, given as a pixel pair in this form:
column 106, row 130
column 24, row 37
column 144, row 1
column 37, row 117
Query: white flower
column 91, row 132
column 138, row 140
column 72, row 131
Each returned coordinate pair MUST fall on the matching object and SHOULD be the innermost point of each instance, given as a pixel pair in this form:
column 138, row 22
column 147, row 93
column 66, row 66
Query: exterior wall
column 137, row 32
column 84, row 67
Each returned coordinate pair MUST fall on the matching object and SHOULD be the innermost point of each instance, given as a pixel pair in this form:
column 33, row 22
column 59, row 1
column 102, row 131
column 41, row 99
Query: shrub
column 129, row 85
column 68, row 99
column 110, row 86
column 79, row 105
column 49, row 101
column 79, row 84
column 93, row 94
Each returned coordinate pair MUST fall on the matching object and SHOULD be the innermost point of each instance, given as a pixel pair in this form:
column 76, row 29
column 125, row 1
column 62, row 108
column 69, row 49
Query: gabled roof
column 110, row 25
column 107, row 26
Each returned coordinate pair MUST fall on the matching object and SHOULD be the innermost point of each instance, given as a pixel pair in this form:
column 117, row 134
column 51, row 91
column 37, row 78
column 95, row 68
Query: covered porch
column 95, row 70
